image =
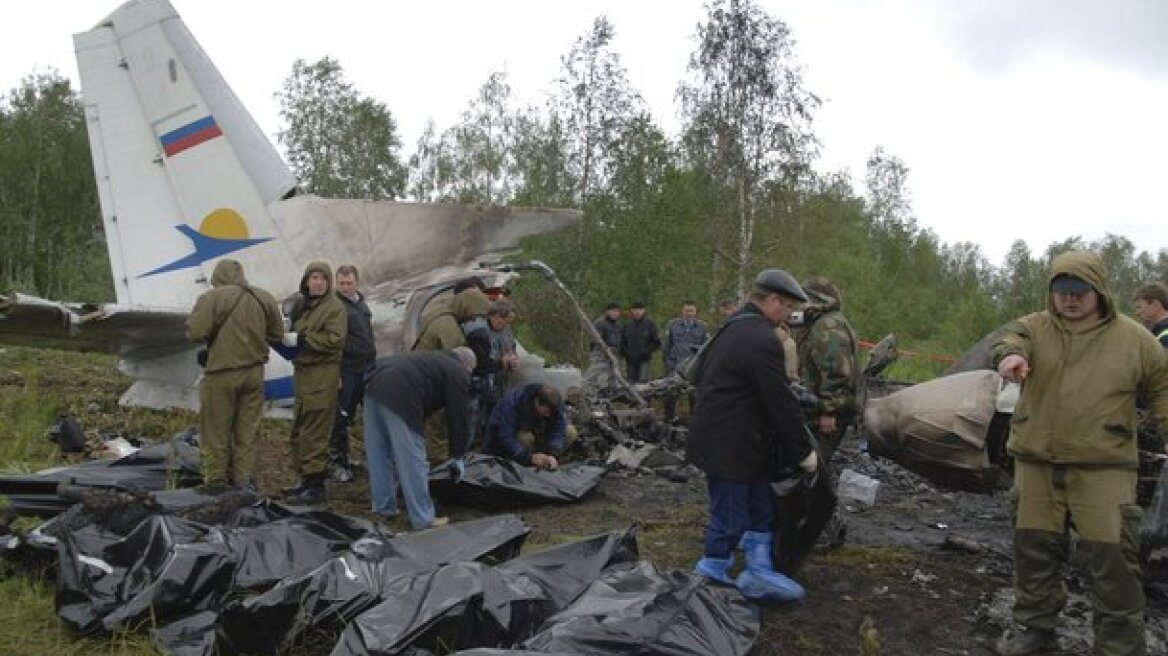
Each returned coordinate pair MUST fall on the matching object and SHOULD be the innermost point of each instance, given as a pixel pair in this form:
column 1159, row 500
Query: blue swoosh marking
column 206, row 248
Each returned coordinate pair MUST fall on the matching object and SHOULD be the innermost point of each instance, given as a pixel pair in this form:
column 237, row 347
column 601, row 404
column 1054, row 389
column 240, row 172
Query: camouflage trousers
column 230, row 405
column 312, row 416
column 1101, row 503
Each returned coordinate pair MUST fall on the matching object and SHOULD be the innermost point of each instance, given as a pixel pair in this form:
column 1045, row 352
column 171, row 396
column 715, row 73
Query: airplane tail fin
column 159, row 114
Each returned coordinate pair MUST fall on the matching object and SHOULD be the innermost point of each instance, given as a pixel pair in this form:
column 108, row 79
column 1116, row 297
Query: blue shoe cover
column 766, row 585
column 715, row 568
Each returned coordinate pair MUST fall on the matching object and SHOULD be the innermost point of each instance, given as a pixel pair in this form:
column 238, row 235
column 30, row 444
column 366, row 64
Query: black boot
column 313, row 493
column 295, row 490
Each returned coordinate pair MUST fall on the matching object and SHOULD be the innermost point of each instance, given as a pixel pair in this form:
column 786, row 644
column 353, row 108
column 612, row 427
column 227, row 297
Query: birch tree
column 747, row 119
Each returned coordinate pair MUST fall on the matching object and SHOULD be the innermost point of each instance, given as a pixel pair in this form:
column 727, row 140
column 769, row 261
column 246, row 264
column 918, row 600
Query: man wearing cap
column 1151, row 303
column 639, row 340
column 599, row 364
column 1073, row 439
column 746, row 430
column 829, row 364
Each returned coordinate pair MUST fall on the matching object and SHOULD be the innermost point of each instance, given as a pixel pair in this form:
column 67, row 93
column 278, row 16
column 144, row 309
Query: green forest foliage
column 665, row 218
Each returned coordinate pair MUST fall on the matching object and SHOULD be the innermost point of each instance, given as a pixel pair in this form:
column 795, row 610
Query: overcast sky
column 1031, row 119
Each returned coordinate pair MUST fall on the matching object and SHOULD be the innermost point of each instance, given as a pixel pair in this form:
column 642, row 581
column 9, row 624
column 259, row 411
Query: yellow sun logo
column 224, row 223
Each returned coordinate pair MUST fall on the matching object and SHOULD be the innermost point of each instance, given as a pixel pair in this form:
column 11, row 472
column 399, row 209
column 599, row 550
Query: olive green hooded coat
column 241, row 325
column 231, row 393
column 321, row 324
column 442, row 328
column 1078, row 403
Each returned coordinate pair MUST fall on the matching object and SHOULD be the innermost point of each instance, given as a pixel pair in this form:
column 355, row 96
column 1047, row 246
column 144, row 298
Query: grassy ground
column 858, row 595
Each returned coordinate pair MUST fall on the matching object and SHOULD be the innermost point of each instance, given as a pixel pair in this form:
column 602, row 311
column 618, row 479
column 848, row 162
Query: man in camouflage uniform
column 319, row 325
column 829, row 364
column 236, row 322
column 1081, row 365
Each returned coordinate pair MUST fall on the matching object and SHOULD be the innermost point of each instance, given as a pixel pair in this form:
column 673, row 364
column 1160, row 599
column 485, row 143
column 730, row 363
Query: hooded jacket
column 320, row 322
column 1078, row 403
column 442, row 329
column 829, row 353
column 240, row 323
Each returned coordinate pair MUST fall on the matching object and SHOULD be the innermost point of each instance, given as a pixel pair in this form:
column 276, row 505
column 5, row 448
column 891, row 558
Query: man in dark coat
column 356, row 360
column 747, row 427
column 608, row 326
column 400, row 393
column 639, row 340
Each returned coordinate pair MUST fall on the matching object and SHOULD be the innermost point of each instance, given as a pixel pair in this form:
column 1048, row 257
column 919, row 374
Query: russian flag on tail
column 190, row 135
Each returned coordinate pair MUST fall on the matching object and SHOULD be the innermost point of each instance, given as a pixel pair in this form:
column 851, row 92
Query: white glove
column 810, row 463
column 290, row 339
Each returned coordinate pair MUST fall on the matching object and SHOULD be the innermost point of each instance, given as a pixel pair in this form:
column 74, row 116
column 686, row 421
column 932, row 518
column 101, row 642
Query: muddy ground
column 923, row 571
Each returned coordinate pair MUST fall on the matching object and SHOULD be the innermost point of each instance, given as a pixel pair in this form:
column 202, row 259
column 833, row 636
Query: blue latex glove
column 456, row 467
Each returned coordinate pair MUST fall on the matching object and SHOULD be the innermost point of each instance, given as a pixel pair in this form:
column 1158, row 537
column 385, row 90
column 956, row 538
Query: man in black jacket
column 356, row 361
column 639, row 340
column 746, row 428
column 608, row 326
column 400, row 393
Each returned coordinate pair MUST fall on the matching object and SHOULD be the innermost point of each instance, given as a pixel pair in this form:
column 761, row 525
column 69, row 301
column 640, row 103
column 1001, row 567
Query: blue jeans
column 734, row 509
column 391, row 446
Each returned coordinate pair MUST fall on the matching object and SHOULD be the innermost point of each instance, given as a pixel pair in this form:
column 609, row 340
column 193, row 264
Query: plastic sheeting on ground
column 269, row 576
column 155, row 467
column 635, row 609
column 493, row 483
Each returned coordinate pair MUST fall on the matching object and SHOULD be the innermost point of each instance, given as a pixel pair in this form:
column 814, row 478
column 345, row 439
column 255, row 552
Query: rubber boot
column 313, row 493
column 760, row 580
column 295, row 489
column 1026, row 641
column 716, row 568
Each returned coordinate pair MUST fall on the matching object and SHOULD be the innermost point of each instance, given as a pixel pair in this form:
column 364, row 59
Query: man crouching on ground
column 530, row 426
column 746, row 427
